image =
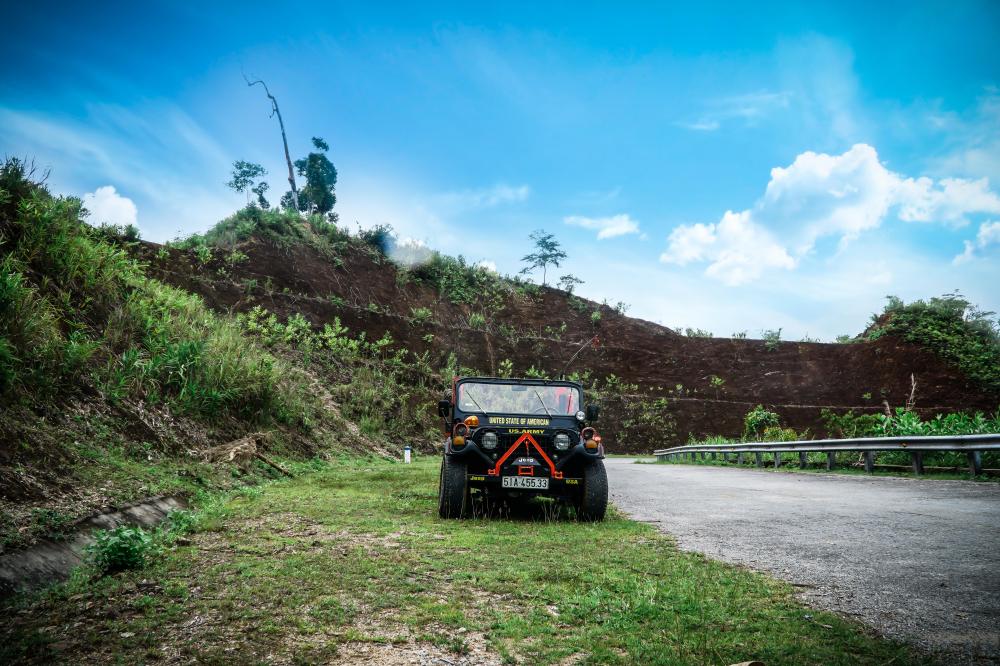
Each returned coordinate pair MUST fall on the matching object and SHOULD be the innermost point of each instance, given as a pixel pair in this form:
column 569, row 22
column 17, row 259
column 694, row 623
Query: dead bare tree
column 275, row 111
column 911, row 402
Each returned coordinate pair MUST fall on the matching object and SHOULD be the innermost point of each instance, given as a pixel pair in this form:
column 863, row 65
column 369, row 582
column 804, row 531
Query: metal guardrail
column 971, row 445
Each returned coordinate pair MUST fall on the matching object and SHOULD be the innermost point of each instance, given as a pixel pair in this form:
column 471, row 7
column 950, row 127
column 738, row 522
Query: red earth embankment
column 796, row 379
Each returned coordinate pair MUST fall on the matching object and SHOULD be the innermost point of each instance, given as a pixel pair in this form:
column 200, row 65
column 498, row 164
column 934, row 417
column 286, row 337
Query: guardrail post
column 694, row 456
column 831, row 460
column 918, row 462
column 760, row 458
column 713, row 455
column 869, row 461
column 702, row 455
column 777, row 459
column 739, row 458
column 975, row 463
column 803, row 461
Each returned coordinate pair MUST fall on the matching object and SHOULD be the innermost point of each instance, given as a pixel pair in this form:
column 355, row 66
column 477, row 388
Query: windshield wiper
column 473, row 399
column 547, row 412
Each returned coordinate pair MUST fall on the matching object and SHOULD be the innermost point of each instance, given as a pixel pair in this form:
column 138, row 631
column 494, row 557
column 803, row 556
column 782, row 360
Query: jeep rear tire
column 593, row 501
column 453, row 489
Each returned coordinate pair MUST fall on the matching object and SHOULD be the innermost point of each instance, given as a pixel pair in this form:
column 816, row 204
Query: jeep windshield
column 500, row 398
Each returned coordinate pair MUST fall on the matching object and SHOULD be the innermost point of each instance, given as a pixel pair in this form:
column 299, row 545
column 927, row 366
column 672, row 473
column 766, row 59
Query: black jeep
column 511, row 438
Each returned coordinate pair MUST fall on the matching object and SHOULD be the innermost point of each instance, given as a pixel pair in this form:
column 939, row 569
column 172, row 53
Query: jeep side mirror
column 444, row 408
column 593, row 411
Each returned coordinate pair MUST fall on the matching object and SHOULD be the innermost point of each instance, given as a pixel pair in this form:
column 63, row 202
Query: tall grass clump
column 77, row 310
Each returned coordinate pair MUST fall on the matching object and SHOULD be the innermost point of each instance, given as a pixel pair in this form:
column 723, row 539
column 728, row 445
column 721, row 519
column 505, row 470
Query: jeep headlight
column 561, row 441
column 490, row 440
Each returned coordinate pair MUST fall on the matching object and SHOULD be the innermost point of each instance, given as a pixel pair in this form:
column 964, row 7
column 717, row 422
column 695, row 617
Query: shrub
column 117, row 233
column 757, row 420
column 235, row 258
column 380, row 238
column 779, row 434
column 121, row 549
column 772, row 338
column 455, row 280
column 697, row 333
column 421, row 315
column 904, row 422
column 181, row 521
column 951, row 327
column 204, row 254
column 849, row 425
column 477, row 320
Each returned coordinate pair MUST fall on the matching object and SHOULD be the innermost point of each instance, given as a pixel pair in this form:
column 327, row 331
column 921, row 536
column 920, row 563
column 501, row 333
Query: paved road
column 917, row 559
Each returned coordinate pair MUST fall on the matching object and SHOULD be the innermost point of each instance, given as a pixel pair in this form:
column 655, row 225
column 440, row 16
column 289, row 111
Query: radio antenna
column 595, row 341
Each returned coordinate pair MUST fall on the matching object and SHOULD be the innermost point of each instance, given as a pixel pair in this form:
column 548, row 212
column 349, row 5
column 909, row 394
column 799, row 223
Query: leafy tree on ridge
column 547, row 251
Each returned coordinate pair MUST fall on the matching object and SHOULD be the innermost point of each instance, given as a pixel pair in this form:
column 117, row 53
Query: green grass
column 350, row 559
column 76, row 311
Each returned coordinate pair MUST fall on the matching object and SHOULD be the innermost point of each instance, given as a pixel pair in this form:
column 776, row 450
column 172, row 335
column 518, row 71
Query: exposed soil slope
column 368, row 293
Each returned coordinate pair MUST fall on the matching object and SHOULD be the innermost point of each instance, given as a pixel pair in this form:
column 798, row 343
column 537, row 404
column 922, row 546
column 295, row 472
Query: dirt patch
column 424, row 654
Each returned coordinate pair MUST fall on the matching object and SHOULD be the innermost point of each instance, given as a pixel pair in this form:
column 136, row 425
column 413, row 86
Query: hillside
column 115, row 386
column 125, row 364
column 656, row 386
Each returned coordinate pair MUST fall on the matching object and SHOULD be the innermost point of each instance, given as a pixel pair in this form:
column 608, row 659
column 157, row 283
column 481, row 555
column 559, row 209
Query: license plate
column 526, row 482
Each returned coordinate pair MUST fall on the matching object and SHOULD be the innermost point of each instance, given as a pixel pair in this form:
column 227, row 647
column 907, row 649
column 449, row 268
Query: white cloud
column 487, row 265
column 975, row 137
column 157, row 153
column 949, row 201
column 410, row 252
column 107, row 206
column 606, row 227
column 738, row 249
column 701, row 125
column 989, row 234
column 821, row 195
column 749, row 108
column 485, row 197
column 597, row 197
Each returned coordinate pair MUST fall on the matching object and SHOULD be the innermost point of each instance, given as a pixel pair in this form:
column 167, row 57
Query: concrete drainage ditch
column 52, row 561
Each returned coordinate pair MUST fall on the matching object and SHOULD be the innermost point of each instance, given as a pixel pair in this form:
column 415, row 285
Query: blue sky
column 724, row 166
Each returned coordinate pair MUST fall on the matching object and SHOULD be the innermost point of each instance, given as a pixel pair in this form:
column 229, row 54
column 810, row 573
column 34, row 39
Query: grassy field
column 348, row 562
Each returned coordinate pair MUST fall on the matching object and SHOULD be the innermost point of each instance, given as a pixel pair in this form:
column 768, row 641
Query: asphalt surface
column 917, row 559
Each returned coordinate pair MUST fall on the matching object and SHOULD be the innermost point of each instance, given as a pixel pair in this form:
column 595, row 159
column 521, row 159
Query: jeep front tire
column 453, row 489
column 593, row 501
